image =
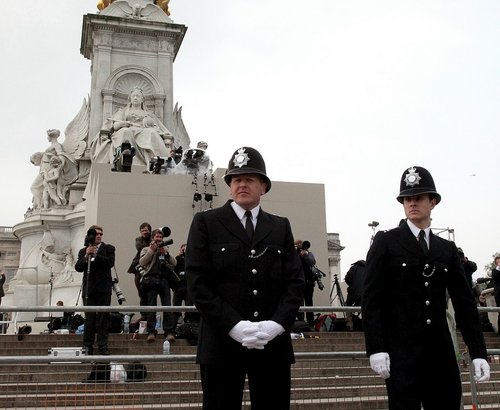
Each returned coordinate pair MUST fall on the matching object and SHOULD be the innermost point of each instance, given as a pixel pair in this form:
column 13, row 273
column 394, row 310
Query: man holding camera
column 95, row 260
column 308, row 261
column 157, row 262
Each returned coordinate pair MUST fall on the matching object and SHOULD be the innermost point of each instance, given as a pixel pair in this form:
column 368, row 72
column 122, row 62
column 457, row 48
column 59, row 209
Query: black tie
column 249, row 224
column 422, row 243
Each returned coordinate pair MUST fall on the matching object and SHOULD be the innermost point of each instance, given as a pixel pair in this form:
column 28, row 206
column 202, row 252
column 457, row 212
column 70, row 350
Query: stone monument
column 128, row 117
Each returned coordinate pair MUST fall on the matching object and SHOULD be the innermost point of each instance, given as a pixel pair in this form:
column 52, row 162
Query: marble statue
column 195, row 161
column 50, row 178
column 135, row 124
column 59, row 163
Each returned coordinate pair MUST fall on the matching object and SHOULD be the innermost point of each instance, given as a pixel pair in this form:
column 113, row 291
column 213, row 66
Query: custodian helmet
column 416, row 181
column 246, row 160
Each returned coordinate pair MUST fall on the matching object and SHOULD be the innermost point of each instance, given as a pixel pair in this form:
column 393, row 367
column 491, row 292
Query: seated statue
column 133, row 124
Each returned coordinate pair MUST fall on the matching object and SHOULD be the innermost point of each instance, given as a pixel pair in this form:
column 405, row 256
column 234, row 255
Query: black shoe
column 89, row 350
column 104, row 351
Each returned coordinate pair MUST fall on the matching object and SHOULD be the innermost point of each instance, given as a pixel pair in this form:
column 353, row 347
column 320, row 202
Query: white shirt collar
column 240, row 212
column 415, row 230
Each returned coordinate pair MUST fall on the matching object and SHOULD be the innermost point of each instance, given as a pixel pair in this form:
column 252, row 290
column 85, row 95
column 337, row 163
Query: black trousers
column 269, row 385
column 434, row 382
column 96, row 322
column 308, row 301
column 151, row 290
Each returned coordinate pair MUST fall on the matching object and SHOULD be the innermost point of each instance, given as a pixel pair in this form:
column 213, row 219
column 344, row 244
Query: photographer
column 141, row 242
column 158, row 264
column 95, row 260
column 469, row 267
column 308, row 262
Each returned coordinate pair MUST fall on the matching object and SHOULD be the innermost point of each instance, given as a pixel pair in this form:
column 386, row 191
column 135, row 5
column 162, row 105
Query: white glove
column 481, row 370
column 255, row 340
column 267, row 331
column 272, row 329
column 381, row 364
column 238, row 331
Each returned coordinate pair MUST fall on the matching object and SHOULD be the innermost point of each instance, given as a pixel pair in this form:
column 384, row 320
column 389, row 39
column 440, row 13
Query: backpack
column 100, row 373
column 136, row 372
column 325, row 323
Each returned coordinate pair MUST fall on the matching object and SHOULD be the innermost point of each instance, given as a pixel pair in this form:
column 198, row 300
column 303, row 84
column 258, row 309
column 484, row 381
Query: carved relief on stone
column 44, row 264
column 166, row 46
column 131, row 43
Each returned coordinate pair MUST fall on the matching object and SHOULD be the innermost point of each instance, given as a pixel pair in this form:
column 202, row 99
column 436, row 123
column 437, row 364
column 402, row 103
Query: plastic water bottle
column 166, row 347
column 126, row 323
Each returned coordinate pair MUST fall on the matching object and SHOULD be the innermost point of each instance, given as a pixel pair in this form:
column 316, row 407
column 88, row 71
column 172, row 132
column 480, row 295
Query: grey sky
column 344, row 93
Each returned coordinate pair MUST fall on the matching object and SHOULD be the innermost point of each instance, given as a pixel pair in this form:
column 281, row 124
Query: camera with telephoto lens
column 317, row 277
column 90, row 237
column 118, row 291
column 166, row 233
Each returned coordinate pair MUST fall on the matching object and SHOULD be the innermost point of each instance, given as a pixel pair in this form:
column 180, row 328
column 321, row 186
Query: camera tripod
column 336, row 287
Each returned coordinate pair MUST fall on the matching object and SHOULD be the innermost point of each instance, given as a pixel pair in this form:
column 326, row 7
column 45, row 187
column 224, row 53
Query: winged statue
column 59, row 163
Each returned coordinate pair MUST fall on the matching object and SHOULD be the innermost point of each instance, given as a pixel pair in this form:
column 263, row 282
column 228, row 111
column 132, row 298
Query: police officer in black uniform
column 245, row 277
column 408, row 341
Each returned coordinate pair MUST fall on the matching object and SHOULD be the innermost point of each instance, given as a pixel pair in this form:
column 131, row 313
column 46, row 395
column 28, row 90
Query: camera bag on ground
column 136, row 372
column 100, row 373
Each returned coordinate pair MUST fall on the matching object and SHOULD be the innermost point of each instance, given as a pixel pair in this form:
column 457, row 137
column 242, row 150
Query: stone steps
column 345, row 383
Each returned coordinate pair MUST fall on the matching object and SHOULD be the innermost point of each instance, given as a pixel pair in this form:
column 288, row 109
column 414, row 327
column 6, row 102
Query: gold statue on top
column 102, row 4
column 163, row 4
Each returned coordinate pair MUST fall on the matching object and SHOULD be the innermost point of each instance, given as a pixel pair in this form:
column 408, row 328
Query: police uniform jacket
column 99, row 280
column 231, row 278
column 404, row 301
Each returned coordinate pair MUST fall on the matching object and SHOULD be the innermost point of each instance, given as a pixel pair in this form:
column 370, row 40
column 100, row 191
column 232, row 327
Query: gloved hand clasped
column 381, row 364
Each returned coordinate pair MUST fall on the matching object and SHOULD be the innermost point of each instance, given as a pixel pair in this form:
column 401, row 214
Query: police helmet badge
column 240, row 158
column 412, row 177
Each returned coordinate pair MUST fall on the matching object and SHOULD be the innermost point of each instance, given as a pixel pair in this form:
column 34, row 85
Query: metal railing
column 190, row 358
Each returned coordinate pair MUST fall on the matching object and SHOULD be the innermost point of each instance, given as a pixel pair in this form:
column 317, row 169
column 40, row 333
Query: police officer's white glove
column 267, row 331
column 237, row 332
column 271, row 328
column 381, row 364
column 255, row 340
column 481, row 370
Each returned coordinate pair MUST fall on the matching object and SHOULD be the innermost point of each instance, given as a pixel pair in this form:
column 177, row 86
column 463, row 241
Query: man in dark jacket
column 407, row 336
column 95, row 260
column 355, row 280
column 245, row 277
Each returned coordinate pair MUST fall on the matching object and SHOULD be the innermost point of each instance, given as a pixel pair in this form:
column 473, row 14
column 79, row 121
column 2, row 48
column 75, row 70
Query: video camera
column 124, row 154
column 118, row 292
column 90, row 237
column 317, row 277
column 160, row 165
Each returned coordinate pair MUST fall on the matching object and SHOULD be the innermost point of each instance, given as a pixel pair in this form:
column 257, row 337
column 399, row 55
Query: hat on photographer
column 417, row 181
column 247, row 160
